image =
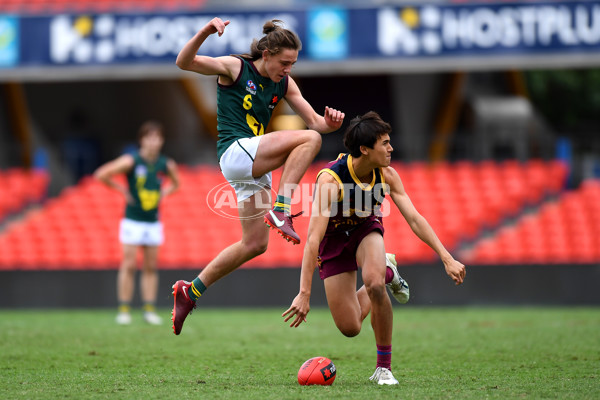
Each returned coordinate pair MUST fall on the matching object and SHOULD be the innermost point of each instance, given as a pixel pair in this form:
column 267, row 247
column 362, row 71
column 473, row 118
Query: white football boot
column 383, row 376
column 398, row 286
column 152, row 318
column 123, row 318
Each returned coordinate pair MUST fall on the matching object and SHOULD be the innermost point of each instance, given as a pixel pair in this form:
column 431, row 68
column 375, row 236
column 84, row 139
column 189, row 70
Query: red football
column 317, row 371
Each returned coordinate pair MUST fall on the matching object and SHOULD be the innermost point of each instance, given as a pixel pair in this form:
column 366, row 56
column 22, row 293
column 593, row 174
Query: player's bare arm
column 419, row 225
column 227, row 66
column 173, row 177
column 120, row 165
column 330, row 121
column 326, row 191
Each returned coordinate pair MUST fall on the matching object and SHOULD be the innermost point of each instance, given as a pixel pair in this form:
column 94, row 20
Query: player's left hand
column 334, row 118
column 299, row 308
column 456, row 271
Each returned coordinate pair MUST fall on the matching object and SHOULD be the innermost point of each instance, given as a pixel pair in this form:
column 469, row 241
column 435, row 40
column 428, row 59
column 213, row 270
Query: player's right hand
column 216, row 25
column 456, row 271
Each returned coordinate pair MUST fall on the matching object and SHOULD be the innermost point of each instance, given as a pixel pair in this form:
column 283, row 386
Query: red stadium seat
column 561, row 232
column 460, row 200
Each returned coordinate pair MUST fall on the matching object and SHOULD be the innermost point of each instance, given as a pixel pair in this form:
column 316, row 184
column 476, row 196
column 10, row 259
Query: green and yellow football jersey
column 144, row 182
column 244, row 108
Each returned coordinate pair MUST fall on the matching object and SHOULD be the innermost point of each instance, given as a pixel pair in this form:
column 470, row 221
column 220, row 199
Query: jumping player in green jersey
column 346, row 232
column 141, row 228
column 249, row 88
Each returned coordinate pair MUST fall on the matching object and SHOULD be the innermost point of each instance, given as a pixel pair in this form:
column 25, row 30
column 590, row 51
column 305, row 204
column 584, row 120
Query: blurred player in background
column 346, row 232
column 249, row 88
column 141, row 228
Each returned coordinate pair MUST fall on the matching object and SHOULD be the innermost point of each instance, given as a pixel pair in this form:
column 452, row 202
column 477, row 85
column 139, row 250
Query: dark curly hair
column 364, row 130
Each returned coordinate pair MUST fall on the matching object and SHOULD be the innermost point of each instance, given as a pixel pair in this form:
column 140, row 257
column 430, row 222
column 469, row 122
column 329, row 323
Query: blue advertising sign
column 124, row 38
column 483, row 29
column 332, row 34
column 9, row 41
column 328, row 36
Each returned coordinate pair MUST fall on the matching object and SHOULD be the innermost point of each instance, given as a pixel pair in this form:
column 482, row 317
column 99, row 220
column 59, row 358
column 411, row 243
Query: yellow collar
column 358, row 182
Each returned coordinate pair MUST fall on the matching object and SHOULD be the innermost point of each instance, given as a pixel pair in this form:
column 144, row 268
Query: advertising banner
column 126, row 39
column 9, row 41
column 332, row 34
column 487, row 29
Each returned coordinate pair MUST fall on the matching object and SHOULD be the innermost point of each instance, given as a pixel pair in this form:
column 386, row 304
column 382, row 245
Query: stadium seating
column 21, row 188
column 563, row 231
column 462, row 201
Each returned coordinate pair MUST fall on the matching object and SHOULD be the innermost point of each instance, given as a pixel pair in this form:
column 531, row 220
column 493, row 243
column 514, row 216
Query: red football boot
column 182, row 304
column 283, row 224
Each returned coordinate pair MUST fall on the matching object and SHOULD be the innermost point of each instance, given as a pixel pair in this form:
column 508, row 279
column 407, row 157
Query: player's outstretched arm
column 330, row 121
column 189, row 60
column 419, row 225
column 325, row 192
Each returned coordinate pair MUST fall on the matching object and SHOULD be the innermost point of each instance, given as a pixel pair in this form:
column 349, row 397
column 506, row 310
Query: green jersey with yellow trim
column 144, row 182
column 244, row 108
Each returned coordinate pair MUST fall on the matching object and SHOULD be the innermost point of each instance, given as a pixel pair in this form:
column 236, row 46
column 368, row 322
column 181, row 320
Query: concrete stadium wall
column 484, row 285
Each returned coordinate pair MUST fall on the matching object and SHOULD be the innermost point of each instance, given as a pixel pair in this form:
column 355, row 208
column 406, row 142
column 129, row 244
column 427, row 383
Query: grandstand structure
column 477, row 158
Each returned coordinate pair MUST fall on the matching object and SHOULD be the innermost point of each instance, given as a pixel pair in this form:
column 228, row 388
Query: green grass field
column 439, row 353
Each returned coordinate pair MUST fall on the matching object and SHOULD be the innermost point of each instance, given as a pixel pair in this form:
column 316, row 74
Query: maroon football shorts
column 337, row 251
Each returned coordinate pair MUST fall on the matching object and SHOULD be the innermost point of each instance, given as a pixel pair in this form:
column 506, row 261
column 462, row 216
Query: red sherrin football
column 317, row 371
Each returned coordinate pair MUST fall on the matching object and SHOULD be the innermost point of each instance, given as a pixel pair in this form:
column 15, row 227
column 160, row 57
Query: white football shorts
column 141, row 233
column 236, row 166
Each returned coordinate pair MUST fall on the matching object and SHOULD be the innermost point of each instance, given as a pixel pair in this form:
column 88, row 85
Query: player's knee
column 128, row 266
column 150, row 269
column 350, row 330
column 313, row 137
column 256, row 248
column 375, row 289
